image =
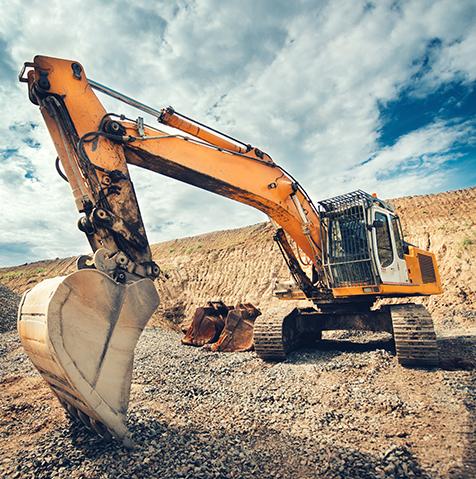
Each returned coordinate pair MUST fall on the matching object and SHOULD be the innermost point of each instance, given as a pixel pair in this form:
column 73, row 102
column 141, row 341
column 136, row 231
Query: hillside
column 239, row 265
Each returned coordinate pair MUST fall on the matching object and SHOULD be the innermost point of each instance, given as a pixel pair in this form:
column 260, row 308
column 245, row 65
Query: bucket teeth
column 101, row 430
column 80, row 332
column 85, row 419
column 72, row 411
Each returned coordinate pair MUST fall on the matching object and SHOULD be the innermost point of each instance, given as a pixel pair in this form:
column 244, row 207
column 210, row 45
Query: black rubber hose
column 58, row 169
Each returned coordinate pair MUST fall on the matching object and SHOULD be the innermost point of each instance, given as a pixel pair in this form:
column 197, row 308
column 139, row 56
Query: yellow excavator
column 80, row 330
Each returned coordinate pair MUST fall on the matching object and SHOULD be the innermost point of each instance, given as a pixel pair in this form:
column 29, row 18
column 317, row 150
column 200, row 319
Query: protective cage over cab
column 364, row 248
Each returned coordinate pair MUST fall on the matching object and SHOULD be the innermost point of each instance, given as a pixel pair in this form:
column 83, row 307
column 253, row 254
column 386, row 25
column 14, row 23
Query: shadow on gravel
column 346, row 346
column 458, row 353
column 329, row 349
column 469, row 456
column 170, row 452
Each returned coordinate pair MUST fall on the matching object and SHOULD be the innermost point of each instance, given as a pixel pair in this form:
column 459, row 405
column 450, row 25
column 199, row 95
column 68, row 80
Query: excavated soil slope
column 239, row 265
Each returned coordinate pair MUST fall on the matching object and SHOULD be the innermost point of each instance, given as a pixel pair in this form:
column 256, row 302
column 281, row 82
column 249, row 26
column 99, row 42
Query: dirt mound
column 239, row 265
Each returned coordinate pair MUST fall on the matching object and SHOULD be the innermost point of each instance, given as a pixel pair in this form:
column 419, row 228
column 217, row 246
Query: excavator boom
column 80, row 331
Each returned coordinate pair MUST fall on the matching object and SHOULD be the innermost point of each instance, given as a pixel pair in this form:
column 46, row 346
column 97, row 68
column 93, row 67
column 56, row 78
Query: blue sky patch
column 7, row 153
column 15, row 252
column 407, row 113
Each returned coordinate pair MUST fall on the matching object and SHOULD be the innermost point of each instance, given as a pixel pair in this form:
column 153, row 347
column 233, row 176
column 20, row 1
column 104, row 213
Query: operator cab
column 363, row 241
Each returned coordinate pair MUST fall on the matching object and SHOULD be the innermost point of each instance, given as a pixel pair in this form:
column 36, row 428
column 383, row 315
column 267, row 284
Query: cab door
column 388, row 247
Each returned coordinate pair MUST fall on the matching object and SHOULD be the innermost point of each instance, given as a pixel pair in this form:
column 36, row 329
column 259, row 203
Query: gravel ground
column 8, row 309
column 346, row 410
column 349, row 412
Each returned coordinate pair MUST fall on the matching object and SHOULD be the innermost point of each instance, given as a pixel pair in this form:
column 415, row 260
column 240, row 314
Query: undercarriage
column 410, row 324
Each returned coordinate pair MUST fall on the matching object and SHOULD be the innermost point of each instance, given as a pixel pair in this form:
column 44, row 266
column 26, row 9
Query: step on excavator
column 80, row 330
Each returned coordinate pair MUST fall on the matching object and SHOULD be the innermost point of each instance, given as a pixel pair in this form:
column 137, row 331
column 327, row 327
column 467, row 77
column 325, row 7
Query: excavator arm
column 81, row 330
column 95, row 168
column 94, row 148
column 242, row 177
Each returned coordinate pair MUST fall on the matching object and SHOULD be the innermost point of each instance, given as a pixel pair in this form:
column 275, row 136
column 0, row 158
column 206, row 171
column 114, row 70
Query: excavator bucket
column 222, row 328
column 207, row 324
column 237, row 334
column 80, row 332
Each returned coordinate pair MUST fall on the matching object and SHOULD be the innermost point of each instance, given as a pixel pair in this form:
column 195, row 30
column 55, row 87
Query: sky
column 344, row 94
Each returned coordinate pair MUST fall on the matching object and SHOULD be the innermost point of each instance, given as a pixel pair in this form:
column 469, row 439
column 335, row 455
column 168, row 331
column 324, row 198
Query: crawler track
column 274, row 335
column 415, row 338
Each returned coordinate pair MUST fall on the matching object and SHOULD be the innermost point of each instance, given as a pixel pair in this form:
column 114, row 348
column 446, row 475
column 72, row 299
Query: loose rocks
column 331, row 413
column 9, row 302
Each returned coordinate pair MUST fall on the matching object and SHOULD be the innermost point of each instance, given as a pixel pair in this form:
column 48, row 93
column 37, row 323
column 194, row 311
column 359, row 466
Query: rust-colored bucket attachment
column 237, row 334
column 80, row 332
column 207, row 324
column 222, row 328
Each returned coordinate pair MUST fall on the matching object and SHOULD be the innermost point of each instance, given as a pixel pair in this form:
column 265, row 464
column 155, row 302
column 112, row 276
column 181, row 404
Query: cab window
column 384, row 241
column 397, row 234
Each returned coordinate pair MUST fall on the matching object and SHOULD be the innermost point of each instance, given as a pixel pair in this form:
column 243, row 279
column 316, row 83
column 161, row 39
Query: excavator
column 344, row 255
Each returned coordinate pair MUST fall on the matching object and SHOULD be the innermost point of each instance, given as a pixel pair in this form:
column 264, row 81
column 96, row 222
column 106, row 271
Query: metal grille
column 347, row 258
column 427, row 269
column 349, row 199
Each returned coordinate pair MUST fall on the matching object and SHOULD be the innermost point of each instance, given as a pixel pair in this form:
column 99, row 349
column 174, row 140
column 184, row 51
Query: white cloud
column 415, row 162
column 302, row 80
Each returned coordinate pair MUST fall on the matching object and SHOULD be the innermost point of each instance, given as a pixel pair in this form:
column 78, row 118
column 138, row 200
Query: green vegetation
column 8, row 275
column 467, row 242
column 20, row 273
